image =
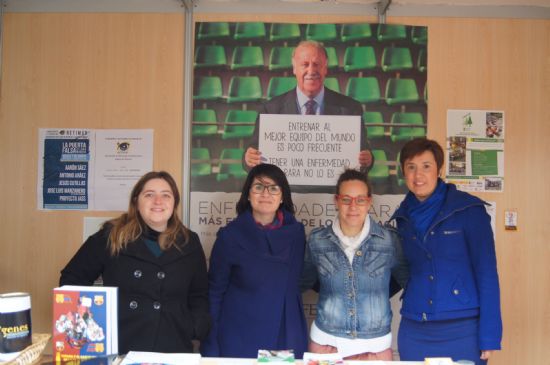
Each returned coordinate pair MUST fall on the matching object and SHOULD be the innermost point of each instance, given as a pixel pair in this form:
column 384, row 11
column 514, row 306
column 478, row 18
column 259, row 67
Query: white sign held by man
column 310, row 149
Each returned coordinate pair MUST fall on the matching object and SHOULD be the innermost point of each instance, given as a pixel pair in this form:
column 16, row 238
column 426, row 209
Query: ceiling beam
column 277, row 7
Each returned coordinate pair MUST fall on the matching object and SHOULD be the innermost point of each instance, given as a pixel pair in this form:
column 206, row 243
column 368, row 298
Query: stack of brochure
column 438, row 361
column 276, row 356
column 311, row 358
column 157, row 358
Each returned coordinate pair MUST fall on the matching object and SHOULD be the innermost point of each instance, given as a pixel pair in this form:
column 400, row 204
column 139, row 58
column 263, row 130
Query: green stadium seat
column 332, row 83
column 200, row 162
column 407, row 133
column 234, row 120
column 231, row 164
column 380, row 171
column 359, row 58
column 396, row 58
column 244, row 88
column 401, row 91
column 247, row 57
column 284, row 32
column 363, row 89
column 332, row 57
column 355, row 32
column 249, row 31
column 206, row 116
column 280, row 58
column 375, row 131
column 279, row 85
column 213, row 30
column 422, row 62
column 207, row 88
column 391, row 32
column 419, row 35
column 321, row 32
column 210, row 56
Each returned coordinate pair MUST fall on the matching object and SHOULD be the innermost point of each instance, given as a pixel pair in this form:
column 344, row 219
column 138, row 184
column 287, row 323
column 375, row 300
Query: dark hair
column 350, row 174
column 275, row 174
column 130, row 225
column 418, row 146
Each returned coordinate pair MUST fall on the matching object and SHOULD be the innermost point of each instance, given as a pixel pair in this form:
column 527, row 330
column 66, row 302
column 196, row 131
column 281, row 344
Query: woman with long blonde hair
column 158, row 266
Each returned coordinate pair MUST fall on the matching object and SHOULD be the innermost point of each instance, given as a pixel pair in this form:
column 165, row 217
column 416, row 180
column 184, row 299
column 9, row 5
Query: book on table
column 85, row 322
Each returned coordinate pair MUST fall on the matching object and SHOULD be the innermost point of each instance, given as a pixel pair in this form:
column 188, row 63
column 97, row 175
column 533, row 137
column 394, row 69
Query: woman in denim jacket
column 353, row 261
column 451, row 305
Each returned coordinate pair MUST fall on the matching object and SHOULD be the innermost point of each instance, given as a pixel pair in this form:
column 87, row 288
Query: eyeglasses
column 347, row 200
column 271, row 189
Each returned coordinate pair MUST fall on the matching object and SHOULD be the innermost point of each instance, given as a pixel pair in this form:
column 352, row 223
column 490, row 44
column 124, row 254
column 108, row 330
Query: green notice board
column 484, row 162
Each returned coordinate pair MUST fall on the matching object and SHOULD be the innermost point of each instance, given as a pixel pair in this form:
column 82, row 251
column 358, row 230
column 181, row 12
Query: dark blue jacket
column 453, row 269
column 255, row 301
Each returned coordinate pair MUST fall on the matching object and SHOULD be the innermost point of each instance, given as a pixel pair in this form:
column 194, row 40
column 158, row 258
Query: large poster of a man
column 245, row 69
column 310, row 96
column 376, row 73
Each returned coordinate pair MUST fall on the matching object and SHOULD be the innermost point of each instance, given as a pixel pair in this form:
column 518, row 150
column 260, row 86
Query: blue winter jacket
column 353, row 298
column 453, row 269
column 255, row 301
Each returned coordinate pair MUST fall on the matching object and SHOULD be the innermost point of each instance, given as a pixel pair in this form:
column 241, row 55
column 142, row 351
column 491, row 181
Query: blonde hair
column 130, row 225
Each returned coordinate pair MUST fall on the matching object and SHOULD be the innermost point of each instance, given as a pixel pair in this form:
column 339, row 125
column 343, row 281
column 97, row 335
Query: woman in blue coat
column 451, row 304
column 255, row 266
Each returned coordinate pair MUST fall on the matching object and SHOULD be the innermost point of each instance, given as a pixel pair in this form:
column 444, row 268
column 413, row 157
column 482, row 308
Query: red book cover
column 84, row 322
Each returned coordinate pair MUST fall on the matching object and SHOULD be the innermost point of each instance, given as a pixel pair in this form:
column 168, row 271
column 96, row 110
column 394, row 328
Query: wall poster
column 475, row 150
column 239, row 67
column 85, row 169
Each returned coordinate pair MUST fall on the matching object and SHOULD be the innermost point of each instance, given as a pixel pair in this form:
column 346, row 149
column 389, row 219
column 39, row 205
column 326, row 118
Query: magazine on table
column 85, row 322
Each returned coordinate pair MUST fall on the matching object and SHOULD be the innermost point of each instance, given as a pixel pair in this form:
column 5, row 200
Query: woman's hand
column 486, row 354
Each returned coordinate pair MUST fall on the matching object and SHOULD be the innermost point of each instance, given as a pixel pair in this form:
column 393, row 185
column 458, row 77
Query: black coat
column 163, row 302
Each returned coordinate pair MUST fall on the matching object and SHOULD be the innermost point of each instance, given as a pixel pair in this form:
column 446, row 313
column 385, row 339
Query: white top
column 350, row 244
column 347, row 346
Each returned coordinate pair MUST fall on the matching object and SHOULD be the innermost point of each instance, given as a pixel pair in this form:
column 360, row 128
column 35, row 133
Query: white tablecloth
column 234, row 361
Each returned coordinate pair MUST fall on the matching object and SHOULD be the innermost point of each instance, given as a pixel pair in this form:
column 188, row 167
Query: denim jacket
column 353, row 298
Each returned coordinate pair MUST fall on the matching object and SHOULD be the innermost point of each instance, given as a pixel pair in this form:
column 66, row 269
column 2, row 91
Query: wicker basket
column 31, row 354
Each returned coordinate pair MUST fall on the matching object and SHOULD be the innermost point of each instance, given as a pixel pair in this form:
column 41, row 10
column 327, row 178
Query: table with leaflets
column 113, row 360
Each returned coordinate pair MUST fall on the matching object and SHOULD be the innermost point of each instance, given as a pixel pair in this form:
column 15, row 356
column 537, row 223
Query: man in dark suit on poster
column 309, row 62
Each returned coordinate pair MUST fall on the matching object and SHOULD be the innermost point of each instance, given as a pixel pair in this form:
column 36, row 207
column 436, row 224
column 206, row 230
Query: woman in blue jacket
column 451, row 304
column 255, row 266
column 353, row 260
